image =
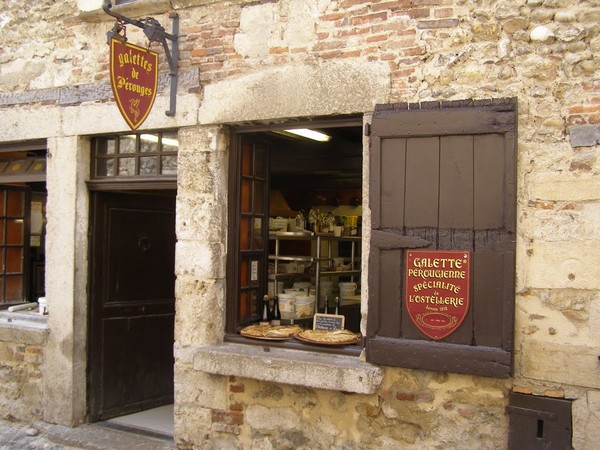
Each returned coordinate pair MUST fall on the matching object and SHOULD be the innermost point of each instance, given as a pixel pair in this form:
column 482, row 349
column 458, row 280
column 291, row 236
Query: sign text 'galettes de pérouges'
column 134, row 80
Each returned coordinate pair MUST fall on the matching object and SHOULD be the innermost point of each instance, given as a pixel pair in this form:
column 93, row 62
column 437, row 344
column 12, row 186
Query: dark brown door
column 132, row 303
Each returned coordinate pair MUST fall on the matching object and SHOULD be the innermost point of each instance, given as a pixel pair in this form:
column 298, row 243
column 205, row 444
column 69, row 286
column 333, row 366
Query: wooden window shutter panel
column 442, row 177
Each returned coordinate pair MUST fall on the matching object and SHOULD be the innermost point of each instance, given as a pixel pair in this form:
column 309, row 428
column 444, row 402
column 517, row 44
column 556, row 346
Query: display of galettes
column 283, row 332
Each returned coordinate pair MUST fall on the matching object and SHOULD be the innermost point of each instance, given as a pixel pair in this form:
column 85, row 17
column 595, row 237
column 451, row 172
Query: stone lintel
column 295, row 367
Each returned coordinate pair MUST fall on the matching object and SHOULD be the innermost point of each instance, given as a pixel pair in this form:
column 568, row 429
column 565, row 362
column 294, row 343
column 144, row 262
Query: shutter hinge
column 367, row 129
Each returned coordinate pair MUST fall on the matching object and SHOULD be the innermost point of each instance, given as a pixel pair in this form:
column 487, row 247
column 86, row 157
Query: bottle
column 265, row 313
column 337, row 305
column 276, row 320
column 326, row 310
column 313, row 218
column 300, row 221
column 329, row 220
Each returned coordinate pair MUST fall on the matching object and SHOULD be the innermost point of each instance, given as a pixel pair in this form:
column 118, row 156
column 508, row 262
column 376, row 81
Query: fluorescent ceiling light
column 310, row 134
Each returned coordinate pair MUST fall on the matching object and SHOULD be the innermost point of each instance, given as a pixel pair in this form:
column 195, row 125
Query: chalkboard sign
column 328, row 322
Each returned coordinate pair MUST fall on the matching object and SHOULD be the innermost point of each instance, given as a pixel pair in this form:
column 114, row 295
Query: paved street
column 20, row 436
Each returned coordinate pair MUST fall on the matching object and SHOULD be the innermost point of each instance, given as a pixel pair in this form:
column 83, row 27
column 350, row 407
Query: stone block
column 201, row 217
column 203, row 260
column 586, row 432
column 200, row 311
column 563, row 265
column 575, row 365
column 94, row 118
column 584, row 135
column 194, row 389
column 16, row 123
column 296, row 91
column 265, row 419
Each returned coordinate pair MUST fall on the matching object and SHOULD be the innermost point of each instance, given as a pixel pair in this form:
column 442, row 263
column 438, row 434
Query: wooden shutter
column 442, row 177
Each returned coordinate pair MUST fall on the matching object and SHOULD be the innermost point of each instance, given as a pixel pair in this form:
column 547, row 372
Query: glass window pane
column 14, row 288
column 2, row 202
column 245, row 205
column 127, row 144
column 126, row 166
column 14, row 260
column 38, row 166
column 2, row 266
column 245, row 234
column 170, row 142
column 105, row 167
column 254, row 304
column 14, row 232
column 258, row 239
column 106, row 146
column 259, row 197
column 244, row 297
column 2, row 239
column 169, row 165
column 19, row 166
column 260, row 169
column 247, row 160
column 148, row 165
column 244, row 274
column 148, row 143
column 16, row 204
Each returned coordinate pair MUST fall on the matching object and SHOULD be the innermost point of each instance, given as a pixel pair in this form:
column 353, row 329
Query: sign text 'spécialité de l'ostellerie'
column 437, row 290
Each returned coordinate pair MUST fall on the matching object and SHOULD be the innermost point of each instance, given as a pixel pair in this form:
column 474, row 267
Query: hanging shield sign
column 437, row 290
column 134, row 80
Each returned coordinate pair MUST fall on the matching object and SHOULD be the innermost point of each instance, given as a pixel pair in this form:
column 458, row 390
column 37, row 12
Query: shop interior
column 315, row 218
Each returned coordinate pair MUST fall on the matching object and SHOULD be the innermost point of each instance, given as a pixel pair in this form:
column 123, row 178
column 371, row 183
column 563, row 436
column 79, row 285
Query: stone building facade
column 263, row 62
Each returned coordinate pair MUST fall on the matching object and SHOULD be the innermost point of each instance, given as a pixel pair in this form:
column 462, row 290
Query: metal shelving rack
column 318, row 259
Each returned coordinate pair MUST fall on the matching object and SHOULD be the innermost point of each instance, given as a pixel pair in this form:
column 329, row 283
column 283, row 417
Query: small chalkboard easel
column 328, row 322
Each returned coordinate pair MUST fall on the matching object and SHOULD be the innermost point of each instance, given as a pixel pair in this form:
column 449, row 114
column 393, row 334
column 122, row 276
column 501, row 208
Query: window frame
column 232, row 323
column 137, row 180
column 30, row 158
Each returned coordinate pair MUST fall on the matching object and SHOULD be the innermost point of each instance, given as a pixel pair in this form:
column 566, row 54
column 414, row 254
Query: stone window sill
column 24, row 328
column 288, row 366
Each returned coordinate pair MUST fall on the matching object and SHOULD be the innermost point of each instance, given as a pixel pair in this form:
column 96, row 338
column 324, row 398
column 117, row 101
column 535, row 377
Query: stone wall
column 22, row 377
column 258, row 61
column 21, row 380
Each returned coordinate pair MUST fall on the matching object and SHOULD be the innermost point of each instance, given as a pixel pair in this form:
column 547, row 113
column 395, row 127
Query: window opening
column 276, row 248
column 22, row 222
column 135, row 155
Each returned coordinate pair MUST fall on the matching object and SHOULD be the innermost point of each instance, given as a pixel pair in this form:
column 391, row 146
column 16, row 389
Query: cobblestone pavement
column 16, row 435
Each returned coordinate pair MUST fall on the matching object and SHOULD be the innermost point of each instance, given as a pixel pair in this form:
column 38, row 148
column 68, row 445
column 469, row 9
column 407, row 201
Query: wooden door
column 132, row 303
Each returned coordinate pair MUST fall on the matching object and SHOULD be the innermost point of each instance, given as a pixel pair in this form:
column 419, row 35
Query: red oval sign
column 437, row 290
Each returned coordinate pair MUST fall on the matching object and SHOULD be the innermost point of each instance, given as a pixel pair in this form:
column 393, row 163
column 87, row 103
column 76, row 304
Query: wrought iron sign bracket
column 155, row 32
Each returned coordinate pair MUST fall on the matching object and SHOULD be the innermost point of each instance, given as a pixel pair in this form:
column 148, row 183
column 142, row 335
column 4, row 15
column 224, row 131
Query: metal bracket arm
column 156, row 33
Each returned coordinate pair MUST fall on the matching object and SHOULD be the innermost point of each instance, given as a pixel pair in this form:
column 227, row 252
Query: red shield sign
column 437, row 290
column 134, row 80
